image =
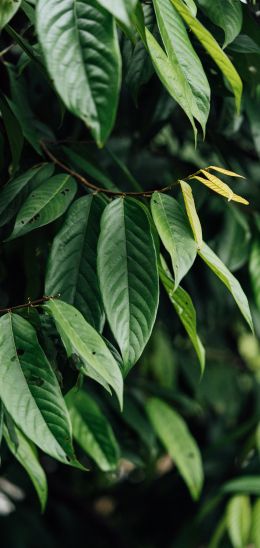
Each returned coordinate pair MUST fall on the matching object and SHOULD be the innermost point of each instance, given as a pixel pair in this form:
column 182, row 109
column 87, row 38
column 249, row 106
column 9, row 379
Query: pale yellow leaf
column 225, row 171
column 192, row 213
column 215, row 184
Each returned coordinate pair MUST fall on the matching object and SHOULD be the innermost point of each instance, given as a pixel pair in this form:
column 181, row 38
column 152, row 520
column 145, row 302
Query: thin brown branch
column 29, row 304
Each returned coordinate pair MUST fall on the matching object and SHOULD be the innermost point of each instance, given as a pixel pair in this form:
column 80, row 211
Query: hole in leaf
column 93, row 352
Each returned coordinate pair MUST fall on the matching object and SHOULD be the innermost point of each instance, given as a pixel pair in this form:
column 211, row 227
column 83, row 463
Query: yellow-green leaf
column 239, row 520
column 218, row 186
column 192, row 212
column 256, row 524
column 225, row 171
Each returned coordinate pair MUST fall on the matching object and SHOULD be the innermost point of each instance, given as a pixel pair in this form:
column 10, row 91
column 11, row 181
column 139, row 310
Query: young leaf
column 72, row 264
column 225, row 171
column 226, row 15
column 26, row 454
column 185, row 309
column 45, row 204
column 92, row 430
column 173, row 432
column 215, row 184
column 81, row 339
column 213, row 48
column 175, row 233
column 192, row 212
column 8, row 9
column 87, row 54
column 180, row 52
column 254, row 269
column 238, row 519
column 128, row 276
column 216, row 265
column 256, row 524
column 30, row 391
column 122, row 10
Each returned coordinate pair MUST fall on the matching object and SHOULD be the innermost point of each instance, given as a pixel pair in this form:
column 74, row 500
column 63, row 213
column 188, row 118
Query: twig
column 30, row 304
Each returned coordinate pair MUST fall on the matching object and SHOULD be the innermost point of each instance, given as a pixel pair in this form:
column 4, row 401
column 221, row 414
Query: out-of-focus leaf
column 254, row 269
column 234, row 240
column 238, row 518
column 244, row 485
column 256, row 524
column 226, row 15
column 8, row 9
column 13, row 130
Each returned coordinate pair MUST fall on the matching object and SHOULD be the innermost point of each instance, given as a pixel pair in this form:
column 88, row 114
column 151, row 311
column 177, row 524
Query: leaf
column 185, row 309
column 213, row 48
column 238, row 519
column 13, row 130
column 181, row 52
column 128, row 276
column 171, row 77
column 79, row 42
column 92, row 430
column 254, row 269
column 173, row 432
column 256, row 524
column 8, row 9
column 15, row 191
column 192, row 212
column 216, row 265
column 175, row 233
column 243, row 485
column 72, row 264
column 89, row 167
column 215, row 184
column 234, row 249
column 45, row 204
column 30, row 391
column 80, row 338
column 122, row 10
column 226, row 15
column 225, row 171
column 26, row 454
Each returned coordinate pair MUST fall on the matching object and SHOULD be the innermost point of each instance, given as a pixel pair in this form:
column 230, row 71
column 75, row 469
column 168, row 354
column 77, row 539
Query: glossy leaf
column 226, row 15
column 122, row 10
column 182, row 54
column 238, row 519
column 72, row 264
column 80, row 44
column 128, row 276
column 216, row 265
column 215, row 184
column 178, row 441
column 30, row 391
column 45, row 204
column 26, row 454
column 192, row 212
column 175, row 233
column 212, row 47
column 80, row 338
column 254, row 269
column 8, row 9
column 92, row 431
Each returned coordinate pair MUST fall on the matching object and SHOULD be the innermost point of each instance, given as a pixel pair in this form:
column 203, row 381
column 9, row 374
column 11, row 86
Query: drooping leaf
column 178, row 441
column 216, row 265
column 30, row 391
column 92, row 430
column 72, row 264
column 175, row 233
column 225, row 171
column 13, row 130
column 254, row 269
column 181, row 52
column 212, row 47
column 128, row 276
column 238, row 518
column 192, row 212
column 88, row 54
column 45, row 204
column 82, row 339
column 234, row 249
column 218, row 186
column 256, row 524
column 25, row 452
column 122, row 10
column 226, row 15
column 184, row 307
column 8, row 9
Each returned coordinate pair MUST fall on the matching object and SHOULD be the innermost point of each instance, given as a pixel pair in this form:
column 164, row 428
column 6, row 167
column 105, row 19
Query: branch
column 29, row 304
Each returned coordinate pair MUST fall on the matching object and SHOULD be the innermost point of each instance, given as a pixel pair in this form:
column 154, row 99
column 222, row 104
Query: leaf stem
column 29, row 304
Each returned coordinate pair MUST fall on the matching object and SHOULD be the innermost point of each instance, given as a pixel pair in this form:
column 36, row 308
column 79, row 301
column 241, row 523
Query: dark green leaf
column 8, row 9
column 13, row 130
column 225, row 14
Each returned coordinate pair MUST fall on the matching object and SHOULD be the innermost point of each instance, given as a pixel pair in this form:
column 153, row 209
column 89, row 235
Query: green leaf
column 81, row 339
column 216, row 265
column 26, row 454
column 16, row 191
column 173, row 432
column 171, row 77
column 122, row 10
column 213, row 48
column 8, row 9
column 234, row 250
column 181, row 53
column 87, row 54
column 184, row 307
column 226, row 15
column 45, row 204
column 128, row 276
column 238, row 519
column 30, row 391
column 72, row 264
column 13, row 130
column 92, row 430
column 192, row 212
column 175, row 233
column 243, row 485
column 90, row 167
column 256, row 524
column 254, row 269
